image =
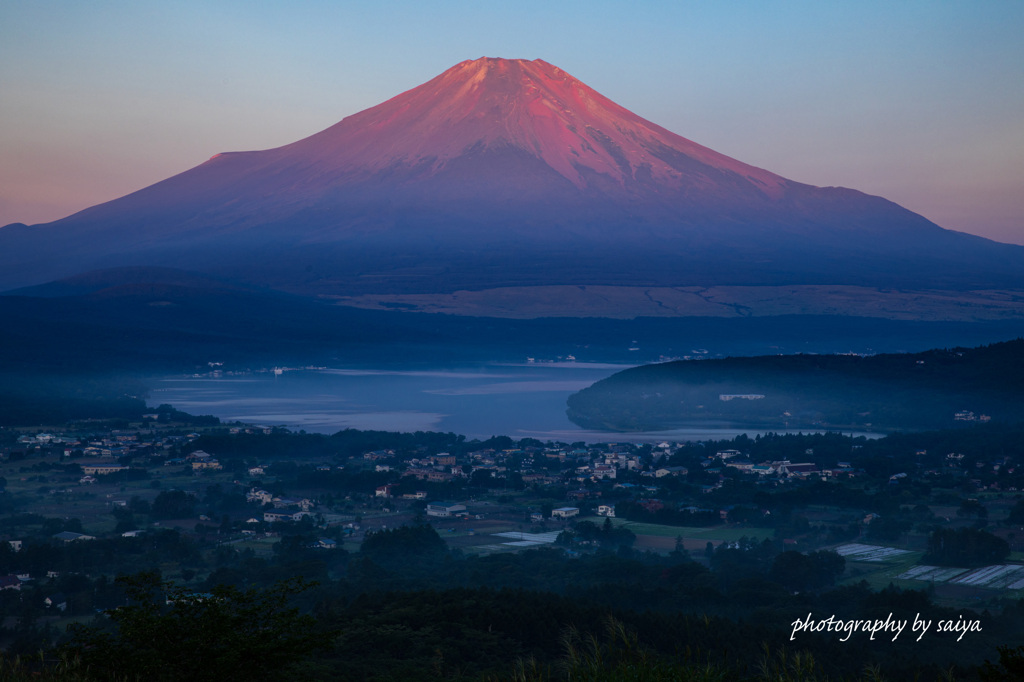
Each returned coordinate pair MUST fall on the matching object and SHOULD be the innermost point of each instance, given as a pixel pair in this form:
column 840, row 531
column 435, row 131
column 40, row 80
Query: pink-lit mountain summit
column 503, row 173
column 495, row 107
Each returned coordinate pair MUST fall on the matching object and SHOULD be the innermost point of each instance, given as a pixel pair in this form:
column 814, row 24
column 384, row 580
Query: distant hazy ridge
column 921, row 390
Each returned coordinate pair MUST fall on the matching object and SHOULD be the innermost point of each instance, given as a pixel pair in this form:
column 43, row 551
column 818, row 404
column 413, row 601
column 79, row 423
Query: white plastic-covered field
column 521, row 540
column 937, row 574
column 858, row 552
column 1002, row 576
column 524, row 543
column 994, row 576
column 532, row 538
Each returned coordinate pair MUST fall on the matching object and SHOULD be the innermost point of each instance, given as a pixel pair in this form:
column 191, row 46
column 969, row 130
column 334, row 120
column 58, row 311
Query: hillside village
column 209, row 504
column 580, row 473
column 530, row 483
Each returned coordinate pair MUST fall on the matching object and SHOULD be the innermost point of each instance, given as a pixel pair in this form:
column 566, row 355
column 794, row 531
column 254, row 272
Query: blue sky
column 919, row 102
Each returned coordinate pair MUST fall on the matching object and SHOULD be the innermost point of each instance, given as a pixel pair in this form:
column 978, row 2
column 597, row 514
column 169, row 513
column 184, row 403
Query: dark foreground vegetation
column 407, row 608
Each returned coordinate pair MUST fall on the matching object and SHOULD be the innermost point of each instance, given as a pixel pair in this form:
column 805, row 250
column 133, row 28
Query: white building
column 443, row 509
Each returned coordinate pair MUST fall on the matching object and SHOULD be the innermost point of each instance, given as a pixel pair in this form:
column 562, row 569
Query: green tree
column 173, row 504
column 1011, row 666
column 887, row 528
column 965, row 547
column 404, row 546
column 168, row 633
column 972, row 508
column 1016, row 517
column 798, row 572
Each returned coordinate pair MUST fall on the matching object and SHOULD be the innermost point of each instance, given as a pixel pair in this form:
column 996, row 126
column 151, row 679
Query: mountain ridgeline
column 509, row 175
column 933, row 389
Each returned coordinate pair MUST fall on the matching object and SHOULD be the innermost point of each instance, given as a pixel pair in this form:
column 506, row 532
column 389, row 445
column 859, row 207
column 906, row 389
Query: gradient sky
column 921, row 102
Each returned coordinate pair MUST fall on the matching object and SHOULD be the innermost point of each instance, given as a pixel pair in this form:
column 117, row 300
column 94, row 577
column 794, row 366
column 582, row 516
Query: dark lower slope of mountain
column 152, row 325
column 932, row 389
column 120, row 280
column 167, row 320
column 356, row 245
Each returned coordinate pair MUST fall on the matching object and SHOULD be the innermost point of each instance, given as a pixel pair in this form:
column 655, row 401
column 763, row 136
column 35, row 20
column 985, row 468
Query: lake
column 478, row 401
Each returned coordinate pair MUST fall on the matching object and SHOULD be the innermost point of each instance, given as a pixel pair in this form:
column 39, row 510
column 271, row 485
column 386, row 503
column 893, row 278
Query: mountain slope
column 503, row 173
column 159, row 320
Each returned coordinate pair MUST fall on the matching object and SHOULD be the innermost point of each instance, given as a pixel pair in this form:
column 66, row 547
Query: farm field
column 658, row 537
column 1001, row 576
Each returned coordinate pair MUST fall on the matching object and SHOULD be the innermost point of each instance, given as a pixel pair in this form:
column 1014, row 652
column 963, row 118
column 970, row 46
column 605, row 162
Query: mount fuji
column 508, row 187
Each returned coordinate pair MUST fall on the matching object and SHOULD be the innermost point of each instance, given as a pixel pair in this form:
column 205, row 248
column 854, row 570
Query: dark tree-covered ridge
column 933, row 389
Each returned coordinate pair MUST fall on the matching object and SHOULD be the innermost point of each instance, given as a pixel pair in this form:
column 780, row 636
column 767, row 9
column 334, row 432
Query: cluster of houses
column 106, row 446
column 784, row 469
column 533, row 465
column 979, row 473
column 282, row 509
column 439, row 468
column 197, row 460
column 530, row 463
column 104, row 453
column 586, row 467
column 101, row 454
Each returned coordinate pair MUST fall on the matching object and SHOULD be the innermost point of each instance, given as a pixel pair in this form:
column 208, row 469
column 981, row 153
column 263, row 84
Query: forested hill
column 933, row 389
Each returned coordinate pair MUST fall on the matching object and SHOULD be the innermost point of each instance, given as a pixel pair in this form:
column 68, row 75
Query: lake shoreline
column 519, row 400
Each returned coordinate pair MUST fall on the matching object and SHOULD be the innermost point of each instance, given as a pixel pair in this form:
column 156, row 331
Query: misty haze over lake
column 479, row 401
